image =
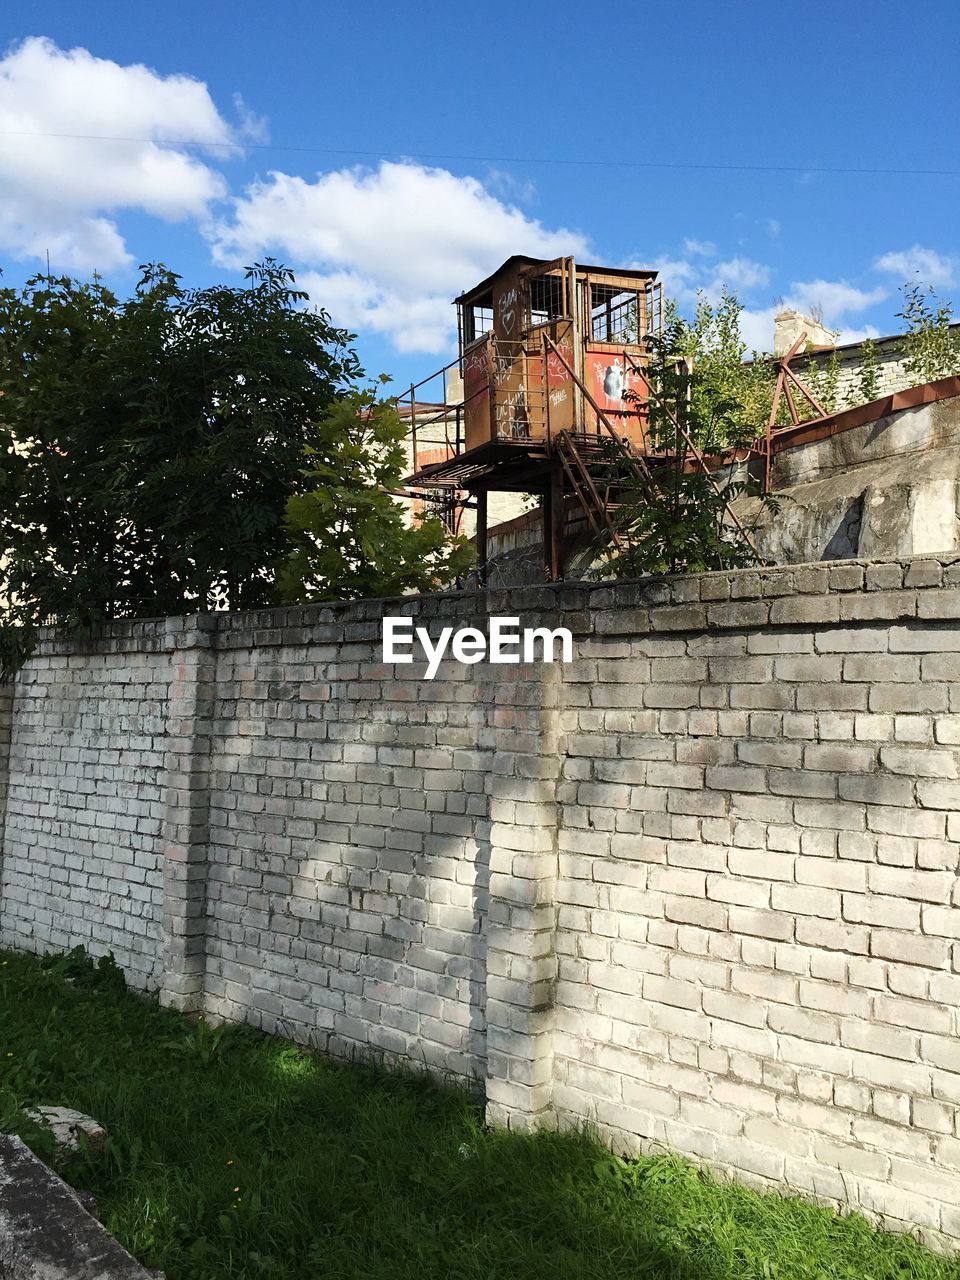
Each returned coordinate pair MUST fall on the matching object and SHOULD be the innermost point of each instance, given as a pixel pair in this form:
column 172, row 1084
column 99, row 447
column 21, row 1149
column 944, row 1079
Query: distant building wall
column 435, row 427
column 890, row 372
column 790, row 326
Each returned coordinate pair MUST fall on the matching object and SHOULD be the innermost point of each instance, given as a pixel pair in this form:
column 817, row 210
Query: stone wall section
column 86, row 792
column 698, row 888
column 6, row 727
column 891, row 375
column 759, row 905
column 349, row 838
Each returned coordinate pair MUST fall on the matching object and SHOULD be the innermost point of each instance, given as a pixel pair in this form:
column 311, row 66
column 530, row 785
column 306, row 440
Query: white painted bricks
column 698, row 887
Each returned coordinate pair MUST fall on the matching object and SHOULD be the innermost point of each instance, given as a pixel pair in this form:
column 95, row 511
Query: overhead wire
column 619, row 163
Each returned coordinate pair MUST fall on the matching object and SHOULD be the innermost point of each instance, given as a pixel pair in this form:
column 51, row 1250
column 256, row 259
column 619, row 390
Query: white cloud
column 414, row 322
column 857, row 335
column 508, row 187
column 930, row 266
column 833, row 298
column 756, row 327
column 385, row 249
column 740, row 274
column 56, row 193
column 254, row 128
column 680, row 279
column 697, row 271
column 683, row 279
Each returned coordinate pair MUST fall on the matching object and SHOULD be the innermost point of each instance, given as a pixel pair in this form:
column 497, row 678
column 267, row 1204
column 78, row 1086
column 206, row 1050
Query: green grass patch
column 236, row 1156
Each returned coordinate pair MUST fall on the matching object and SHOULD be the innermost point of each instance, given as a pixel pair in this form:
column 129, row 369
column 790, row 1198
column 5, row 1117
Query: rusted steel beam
column 577, row 491
column 775, row 404
column 482, row 538
column 588, row 508
column 584, row 471
column 552, row 526
column 806, row 391
column 558, row 520
column 791, row 403
column 492, row 388
column 848, row 419
column 439, row 497
column 782, row 370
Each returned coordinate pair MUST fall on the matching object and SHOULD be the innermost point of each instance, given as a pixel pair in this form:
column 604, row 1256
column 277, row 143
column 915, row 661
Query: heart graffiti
column 508, row 311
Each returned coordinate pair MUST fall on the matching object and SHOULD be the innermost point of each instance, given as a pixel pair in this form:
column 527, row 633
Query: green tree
column 931, row 348
column 150, row 445
column 869, row 382
column 726, row 373
column 349, row 535
column 680, row 518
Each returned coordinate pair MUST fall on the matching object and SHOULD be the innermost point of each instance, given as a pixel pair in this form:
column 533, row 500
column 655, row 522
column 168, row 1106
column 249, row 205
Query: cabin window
column 546, row 299
column 614, row 313
column 477, row 318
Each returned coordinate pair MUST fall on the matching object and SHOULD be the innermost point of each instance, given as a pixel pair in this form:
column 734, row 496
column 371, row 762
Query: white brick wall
column 347, row 895
column 84, row 807
column 700, row 887
column 758, row 939
column 890, row 372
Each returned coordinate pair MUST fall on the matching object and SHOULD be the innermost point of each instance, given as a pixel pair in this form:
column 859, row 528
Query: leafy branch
column 680, row 520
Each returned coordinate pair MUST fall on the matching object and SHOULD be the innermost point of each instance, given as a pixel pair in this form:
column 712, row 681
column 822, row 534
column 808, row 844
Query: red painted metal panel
column 608, row 377
column 476, row 396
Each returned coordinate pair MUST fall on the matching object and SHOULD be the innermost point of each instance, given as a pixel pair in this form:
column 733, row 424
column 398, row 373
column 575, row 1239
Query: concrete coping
column 45, row 1232
column 820, row 593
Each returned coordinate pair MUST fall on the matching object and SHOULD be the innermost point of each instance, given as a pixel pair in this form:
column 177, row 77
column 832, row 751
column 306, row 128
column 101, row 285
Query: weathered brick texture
column 349, row 839
column 86, row 792
column 699, row 887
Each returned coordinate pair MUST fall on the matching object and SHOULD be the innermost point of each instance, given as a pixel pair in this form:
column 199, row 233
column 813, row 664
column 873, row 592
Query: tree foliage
column 349, row 536
column 680, row 519
column 931, row 348
column 824, row 381
column 726, row 373
column 868, row 383
column 150, row 447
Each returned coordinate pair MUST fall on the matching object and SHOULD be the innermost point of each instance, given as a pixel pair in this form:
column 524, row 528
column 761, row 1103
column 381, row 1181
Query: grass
column 236, row 1156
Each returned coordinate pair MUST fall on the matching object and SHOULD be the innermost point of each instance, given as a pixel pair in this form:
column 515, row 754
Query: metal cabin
column 548, row 381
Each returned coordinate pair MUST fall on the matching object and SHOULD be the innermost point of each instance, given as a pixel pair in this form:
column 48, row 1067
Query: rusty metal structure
column 547, row 396
column 786, row 376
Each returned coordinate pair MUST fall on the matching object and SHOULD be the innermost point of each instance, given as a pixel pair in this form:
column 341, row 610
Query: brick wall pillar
column 521, row 927
column 6, row 731
column 186, row 815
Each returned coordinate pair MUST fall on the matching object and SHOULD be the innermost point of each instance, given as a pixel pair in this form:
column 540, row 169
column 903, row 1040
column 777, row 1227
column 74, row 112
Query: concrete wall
column 699, row 887
column 889, row 487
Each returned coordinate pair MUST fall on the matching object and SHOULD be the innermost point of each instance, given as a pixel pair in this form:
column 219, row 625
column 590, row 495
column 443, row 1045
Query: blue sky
column 393, row 153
